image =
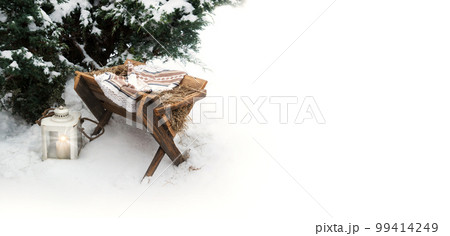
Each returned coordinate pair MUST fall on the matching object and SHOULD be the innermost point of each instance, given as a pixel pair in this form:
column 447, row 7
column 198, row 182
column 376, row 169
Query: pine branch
column 87, row 58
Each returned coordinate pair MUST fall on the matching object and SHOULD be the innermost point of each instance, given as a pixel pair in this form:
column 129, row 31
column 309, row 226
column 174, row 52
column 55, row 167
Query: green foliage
column 43, row 41
column 32, row 77
column 30, row 89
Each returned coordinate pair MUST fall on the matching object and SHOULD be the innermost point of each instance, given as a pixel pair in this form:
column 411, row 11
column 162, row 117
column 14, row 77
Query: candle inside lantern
column 63, row 147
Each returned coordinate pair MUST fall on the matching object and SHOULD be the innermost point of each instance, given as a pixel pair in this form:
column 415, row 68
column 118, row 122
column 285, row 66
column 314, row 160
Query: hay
column 179, row 117
column 118, row 70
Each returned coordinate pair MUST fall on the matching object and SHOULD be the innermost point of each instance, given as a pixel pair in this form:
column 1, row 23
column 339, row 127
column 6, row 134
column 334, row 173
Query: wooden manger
column 150, row 112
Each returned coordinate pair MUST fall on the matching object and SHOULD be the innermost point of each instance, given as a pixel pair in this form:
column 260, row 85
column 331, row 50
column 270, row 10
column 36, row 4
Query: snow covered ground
column 378, row 72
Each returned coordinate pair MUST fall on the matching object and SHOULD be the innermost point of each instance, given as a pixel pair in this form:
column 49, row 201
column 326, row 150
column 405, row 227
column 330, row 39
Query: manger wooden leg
column 162, row 136
column 155, row 162
column 102, row 122
column 167, row 144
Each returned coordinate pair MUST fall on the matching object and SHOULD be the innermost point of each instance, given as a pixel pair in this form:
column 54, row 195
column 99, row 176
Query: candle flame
column 63, row 138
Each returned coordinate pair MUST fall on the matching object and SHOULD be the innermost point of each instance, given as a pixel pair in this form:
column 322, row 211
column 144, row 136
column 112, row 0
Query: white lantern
column 61, row 136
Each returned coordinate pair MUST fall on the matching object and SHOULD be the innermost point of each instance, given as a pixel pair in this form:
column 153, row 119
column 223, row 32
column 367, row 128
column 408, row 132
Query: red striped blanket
column 143, row 78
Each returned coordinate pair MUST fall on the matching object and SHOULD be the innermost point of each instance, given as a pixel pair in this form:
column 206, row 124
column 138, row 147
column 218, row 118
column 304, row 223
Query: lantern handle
column 95, row 122
column 47, row 113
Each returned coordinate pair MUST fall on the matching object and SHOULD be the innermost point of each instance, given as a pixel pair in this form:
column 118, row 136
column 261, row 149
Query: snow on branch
column 87, row 58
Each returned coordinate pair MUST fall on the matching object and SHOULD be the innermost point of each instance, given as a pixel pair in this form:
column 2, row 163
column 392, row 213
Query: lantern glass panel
column 51, row 143
column 59, row 145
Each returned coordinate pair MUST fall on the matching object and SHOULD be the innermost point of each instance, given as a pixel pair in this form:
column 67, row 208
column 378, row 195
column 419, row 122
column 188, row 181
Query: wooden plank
column 94, row 105
column 143, row 105
column 119, row 111
column 193, row 82
column 92, row 84
column 190, row 99
column 141, row 108
column 161, row 136
column 94, row 87
column 147, row 97
column 168, row 126
column 167, row 144
column 85, row 75
column 102, row 97
column 155, row 162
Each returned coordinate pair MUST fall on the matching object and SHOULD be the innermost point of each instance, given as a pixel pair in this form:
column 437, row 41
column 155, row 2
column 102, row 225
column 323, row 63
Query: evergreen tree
column 43, row 41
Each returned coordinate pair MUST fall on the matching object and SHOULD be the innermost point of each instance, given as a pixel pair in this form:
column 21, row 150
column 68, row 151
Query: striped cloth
column 123, row 91
column 152, row 78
